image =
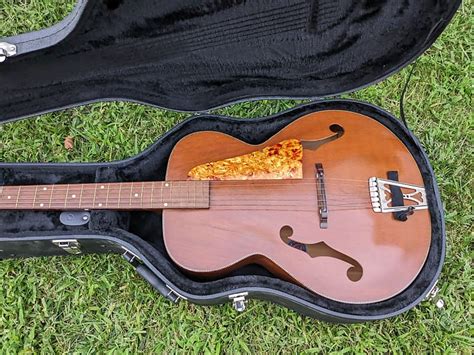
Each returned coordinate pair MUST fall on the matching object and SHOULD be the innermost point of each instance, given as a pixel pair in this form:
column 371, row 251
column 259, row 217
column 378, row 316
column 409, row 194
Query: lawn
column 98, row 303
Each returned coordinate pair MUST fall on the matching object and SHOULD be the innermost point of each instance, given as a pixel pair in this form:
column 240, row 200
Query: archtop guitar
column 333, row 202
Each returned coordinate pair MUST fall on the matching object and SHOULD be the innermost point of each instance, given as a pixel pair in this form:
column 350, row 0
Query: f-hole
column 313, row 145
column 355, row 271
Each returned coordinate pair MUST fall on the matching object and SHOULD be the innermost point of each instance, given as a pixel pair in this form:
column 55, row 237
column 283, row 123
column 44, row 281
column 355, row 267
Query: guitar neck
column 110, row 196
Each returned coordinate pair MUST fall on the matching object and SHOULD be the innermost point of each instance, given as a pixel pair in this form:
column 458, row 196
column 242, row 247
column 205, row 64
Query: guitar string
column 242, row 190
column 296, row 208
column 191, row 194
column 265, row 187
column 233, row 192
column 359, row 192
column 282, row 202
column 213, row 202
column 260, row 196
column 253, row 208
column 228, row 197
column 112, row 205
column 179, row 184
column 289, row 203
column 178, row 194
column 175, row 189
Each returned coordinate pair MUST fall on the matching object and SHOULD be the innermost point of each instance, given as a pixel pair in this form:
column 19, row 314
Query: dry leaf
column 69, row 143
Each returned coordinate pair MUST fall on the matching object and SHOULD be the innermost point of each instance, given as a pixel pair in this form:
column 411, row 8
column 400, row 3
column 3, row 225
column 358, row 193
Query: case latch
column 239, row 301
column 6, row 50
column 71, row 246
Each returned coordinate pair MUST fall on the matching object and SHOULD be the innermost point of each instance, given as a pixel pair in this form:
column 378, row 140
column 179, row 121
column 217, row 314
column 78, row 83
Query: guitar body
column 360, row 257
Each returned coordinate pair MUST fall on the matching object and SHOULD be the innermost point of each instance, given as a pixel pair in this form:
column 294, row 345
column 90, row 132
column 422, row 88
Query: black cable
column 402, row 96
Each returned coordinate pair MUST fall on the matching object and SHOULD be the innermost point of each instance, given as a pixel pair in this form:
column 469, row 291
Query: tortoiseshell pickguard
column 280, row 161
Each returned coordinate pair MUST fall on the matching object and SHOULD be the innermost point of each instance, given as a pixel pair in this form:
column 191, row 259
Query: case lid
column 195, row 55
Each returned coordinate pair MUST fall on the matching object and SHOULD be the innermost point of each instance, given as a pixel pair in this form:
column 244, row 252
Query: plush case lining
column 194, row 55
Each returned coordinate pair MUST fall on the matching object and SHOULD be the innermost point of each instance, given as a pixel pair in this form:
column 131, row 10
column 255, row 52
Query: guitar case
column 193, row 55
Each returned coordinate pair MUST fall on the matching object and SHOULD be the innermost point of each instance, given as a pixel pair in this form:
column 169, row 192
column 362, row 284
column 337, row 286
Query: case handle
column 148, row 275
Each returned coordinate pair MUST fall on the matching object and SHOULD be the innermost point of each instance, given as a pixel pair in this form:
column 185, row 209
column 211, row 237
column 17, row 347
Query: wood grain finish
column 280, row 161
column 244, row 221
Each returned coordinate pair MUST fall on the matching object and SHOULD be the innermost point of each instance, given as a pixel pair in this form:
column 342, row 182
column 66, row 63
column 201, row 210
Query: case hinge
column 129, row 256
column 239, row 301
column 6, row 50
column 174, row 296
column 71, row 246
column 432, row 296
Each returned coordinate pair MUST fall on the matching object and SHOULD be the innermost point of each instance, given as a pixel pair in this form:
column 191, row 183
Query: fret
column 18, row 196
column 67, row 194
column 170, row 199
column 95, row 195
column 98, row 199
column 34, row 198
column 161, row 195
column 51, row 196
column 203, row 192
column 119, row 195
column 107, row 198
column 46, row 196
column 187, row 196
column 142, row 196
column 176, row 197
column 152, row 192
column 133, row 194
column 4, row 194
column 200, row 192
column 80, row 196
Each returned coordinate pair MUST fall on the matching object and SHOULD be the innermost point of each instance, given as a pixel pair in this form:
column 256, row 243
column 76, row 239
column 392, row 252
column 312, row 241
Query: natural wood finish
column 391, row 253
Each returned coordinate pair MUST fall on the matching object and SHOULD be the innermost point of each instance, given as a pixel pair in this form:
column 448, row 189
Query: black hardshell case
column 194, row 56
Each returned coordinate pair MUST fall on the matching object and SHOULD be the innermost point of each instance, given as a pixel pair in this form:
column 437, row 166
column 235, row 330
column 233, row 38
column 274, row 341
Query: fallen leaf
column 69, row 143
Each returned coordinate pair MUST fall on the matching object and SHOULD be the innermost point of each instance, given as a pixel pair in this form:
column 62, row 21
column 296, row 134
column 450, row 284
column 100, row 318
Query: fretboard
column 112, row 196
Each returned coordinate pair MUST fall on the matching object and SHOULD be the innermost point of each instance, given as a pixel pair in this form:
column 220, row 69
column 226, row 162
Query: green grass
column 98, row 303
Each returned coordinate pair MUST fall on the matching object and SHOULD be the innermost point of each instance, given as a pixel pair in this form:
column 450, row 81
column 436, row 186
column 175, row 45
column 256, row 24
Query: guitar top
column 333, row 202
